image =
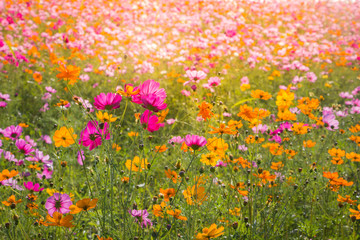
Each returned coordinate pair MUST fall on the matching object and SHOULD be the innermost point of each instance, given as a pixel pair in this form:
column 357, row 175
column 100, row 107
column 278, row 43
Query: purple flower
column 107, row 101
column 141, row 217
column 150, row 121
column 24, row 147
column 195, row 141
column 92, row 135
column 58, row 203
column 12, row 132
column 33, row 187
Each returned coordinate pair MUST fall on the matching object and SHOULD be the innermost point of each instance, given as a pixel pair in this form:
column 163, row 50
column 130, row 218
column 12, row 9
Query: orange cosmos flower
column 209, row 158
column 176, row 213
column 136, row 165
column 356, row 213
column 37, row 77
column 59, row 220
column 64, row 137
column 218, row 146
column 105, row 117
column 223, row 129
column 346, row 199
column 236, row 125
column 172, row 175
column 160, row 149
column 167, row 193
column 23, row 125
column 83, row 205
column 277, row 165
column 309, row 144
column 205, row 110
column 116, row 147
column 162, row 115
column 195, row 194
column 6, row 174
column 334, row 152
column 260, row 94
column 265, row 176
column 355, row 157
column 243, row 162
column 68, row 73
column 211, row 232
column 11, row 200
column 300, row 128
column 128, row 91
column 337, row 161
column 133, row 134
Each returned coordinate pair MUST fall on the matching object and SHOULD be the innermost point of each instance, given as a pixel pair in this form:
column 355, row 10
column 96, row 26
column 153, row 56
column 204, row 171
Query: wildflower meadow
column 179, row 119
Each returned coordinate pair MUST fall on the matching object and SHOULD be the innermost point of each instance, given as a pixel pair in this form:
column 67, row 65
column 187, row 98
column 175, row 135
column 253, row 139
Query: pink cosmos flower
column 177, row 139
column 12, row 132
column 170, row 121
column 46, row 174
column 3, row 104
column 46, row 139
column 245, row 80
column 330, row 121
column 80, row 157
column 260, row 128
column 141, row 217
column 195, row 75
column 107, row 101
column 50, row 90
column 150, row 96
column 33, row 187
column 214, row 81
column 150, row 121
column 311, row 77
column 92, row 135
column 195, row 142
column 58, row 203
column 5, row 97
column 242, row 148
column 185, row 93
column 12, row 183
column 24, row 147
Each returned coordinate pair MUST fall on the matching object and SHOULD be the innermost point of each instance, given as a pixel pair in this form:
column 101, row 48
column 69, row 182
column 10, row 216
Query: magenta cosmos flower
column 24, row 147
column 33, row 187
column 92, row 135
column 12, row 132
column 151, row 96
column 195, row 142
column 141, row 217
column 58, row 203
column 107, row 101
column 150, row 122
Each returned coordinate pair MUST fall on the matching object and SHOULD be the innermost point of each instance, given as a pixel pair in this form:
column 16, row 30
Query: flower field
column 191, row 119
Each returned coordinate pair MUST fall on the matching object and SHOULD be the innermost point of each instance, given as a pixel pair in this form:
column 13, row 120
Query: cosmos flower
column 58, row 203
column 107, row 101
